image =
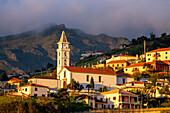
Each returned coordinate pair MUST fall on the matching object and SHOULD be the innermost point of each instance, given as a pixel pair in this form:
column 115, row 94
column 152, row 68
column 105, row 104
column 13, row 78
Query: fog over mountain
column 127, row 18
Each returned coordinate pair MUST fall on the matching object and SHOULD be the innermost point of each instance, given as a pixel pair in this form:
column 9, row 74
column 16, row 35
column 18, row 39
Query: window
column 166, row 57
column 135, row 99
column 132, row 84
column 96, row 106
column 91, row 103
column 148, row 58
column 112, row 106
column 106, row 100
column 64, row 53
column 36, row 89
column 122, row 64
column 114, row 98
column 123, row 80
column 87, row 78
column 109, row 106
column 65, row 62
column 43, row 95
column 118, row 65
column 59, row 54
column 113, row 65
column 99, row 78
column 101, row 99
column 25, row 89
column 126, row 69
column 64, row 74
column 166, row 52
column 123, row 99
column 35, row 95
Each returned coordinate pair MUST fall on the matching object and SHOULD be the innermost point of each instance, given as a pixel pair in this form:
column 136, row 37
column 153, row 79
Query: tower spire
column 63, row 52
column 63, row 37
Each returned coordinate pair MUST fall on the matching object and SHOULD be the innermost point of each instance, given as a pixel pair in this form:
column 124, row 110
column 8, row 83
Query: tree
column 152, row 36
column 63, row 95
column 133, row 42
column 163, row 35
column 3, row 75
column 24, row 82
column 88, row 87
column 92, row 83
column 49, row 66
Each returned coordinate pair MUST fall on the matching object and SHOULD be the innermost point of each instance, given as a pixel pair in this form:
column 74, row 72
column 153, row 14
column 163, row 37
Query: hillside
column 136, row 47
column 34, row 49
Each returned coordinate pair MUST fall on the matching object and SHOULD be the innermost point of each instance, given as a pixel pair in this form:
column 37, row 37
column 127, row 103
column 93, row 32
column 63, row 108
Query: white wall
column 108, row 80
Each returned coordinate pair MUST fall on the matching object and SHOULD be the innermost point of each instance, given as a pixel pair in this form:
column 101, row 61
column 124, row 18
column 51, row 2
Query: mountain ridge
column 32, row 50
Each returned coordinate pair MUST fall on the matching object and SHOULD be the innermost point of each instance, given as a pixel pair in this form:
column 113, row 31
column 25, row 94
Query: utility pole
column 102, row 86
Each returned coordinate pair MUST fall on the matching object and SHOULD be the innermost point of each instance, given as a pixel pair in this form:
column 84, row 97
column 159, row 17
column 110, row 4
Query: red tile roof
column 124, row 75
column 117, row 61
column 15, row 79
column 43, row 77
column 158, row 50
column 136, row 65
column 90, row 70
column 38, row 85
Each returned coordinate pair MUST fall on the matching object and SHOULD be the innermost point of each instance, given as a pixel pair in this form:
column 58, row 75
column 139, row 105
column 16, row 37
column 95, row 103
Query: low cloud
column 128, row 18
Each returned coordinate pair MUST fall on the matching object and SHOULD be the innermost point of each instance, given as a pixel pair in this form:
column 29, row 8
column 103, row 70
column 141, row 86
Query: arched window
column 65, row 54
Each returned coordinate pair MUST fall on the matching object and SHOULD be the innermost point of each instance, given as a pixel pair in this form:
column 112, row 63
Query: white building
column 118, row 98
column 36, row 90
column 51, row 82
column 83, row 75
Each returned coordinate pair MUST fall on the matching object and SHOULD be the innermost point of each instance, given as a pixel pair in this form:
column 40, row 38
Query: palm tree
column 88, row 86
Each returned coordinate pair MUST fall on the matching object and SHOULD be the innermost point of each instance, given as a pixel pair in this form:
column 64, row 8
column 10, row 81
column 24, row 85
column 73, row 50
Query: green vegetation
column 60, row 103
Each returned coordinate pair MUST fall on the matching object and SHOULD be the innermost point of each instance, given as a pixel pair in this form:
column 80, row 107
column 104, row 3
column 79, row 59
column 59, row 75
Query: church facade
column 65, row 73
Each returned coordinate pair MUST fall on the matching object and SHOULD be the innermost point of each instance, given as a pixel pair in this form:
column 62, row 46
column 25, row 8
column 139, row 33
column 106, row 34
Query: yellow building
column 139, row 67
column 158, row 54
column 117, row 64
column 14, row 81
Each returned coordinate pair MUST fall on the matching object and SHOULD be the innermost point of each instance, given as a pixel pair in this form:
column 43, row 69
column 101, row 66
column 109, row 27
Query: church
column 101, row 77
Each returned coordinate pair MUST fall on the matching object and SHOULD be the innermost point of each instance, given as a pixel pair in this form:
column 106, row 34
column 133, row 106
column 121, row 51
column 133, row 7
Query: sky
column 119, row 18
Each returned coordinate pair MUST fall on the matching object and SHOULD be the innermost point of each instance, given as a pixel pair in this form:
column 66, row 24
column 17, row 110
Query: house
column 118, row 98
column 133, row 86
column 36, row 90
column 103, row 58
column 117, row 64
column 51, row 82
column 123, row 57
column 158, row 55
column 91, row 101
column 83, row 76
column 15, row 82
column 124, row 78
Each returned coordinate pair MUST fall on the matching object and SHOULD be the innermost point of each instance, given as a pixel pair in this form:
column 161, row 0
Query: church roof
column 63, row 37
column 89, row 70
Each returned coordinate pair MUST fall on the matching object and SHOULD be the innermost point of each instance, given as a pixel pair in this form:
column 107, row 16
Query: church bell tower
column 63, row 53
